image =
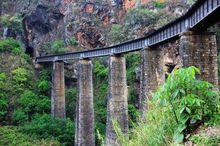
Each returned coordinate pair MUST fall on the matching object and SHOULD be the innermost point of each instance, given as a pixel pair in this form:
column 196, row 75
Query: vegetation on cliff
column 181, row 105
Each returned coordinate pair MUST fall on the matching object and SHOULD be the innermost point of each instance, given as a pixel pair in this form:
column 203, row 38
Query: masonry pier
column 200, row 50
column 85, row 110
column 152, row 75
column 117, row 106
column 58, row 90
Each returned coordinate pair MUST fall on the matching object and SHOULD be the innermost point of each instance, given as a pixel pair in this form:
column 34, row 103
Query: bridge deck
column 201, row 15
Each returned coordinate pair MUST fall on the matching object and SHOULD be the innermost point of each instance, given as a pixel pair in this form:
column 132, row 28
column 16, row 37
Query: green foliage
column 71, row 95
column 100, row 73
column 44, row 86
column 29, row 104
column 140, row 16
column 3, row 99
column 19, row 116
column 132, row 62
column 45, row 126
column 158, row 4
column 12, row 21
column 116, row 33
column 11, row 136
column 73, row 41
column 55, row 47
column 10, row 45
column 100, row 70
column 176, row 110
column 205, row 140
column 20, row 76
column 190, row 100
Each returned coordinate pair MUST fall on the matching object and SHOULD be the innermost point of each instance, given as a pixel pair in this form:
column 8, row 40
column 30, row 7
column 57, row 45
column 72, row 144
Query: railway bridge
column 197, row 47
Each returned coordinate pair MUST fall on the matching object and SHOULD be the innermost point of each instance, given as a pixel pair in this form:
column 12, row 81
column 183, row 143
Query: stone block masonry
column 152, row 75
column 200, row 50
column 117, row 106
column 58, row 90
column 84, row 109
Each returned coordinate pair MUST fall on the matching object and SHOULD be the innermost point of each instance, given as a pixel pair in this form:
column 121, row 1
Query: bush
column 55, row 47
column 71, row 95
column 177, row 109
column 45, row 126
column 30, row 104
column 12, row 137
column 13, row 22
column 117, row 34
column 191, row 101
column 73, row 41
column 44, row 86
column 10, row 45
column 140, row 17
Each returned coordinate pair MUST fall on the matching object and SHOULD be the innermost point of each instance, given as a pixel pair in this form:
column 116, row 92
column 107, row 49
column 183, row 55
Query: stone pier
column 58, row 90
column 200, row 50
column 152, row 75
column 117, row 106
column 84, row 110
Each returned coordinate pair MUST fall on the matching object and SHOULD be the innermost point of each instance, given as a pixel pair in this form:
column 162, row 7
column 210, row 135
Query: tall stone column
column 58, row 90
column 152, row 75
column 117, row 106
column 85, row 111
column 200, row 50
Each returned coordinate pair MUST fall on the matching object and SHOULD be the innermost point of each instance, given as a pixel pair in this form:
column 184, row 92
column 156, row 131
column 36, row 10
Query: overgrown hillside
column 30, row 28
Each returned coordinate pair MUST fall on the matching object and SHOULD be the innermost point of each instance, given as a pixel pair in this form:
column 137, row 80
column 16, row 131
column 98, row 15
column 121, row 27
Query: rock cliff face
column 87, row 21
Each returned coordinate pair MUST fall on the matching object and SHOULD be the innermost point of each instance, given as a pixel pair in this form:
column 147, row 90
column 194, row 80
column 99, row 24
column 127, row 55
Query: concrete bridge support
column 58, row 90
column 200, row 50
column 117, row 106
column 84, row 110
column 152, row 75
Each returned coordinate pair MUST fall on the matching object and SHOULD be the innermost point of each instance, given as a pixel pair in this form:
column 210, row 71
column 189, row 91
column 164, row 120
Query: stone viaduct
column 197, row 47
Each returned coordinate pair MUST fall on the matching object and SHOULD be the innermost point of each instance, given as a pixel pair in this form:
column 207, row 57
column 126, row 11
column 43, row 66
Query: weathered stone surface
column 200, row 50
column 84, row 110
column 58, row 91
column 117, row 106
column 152, row 74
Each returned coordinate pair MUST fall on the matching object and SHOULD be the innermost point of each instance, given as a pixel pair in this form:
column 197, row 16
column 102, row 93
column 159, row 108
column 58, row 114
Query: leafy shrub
column 20, row 77
column 71, row 95
column 45, row 126
column 132, row 62
column 140, row 17
column 11, row 136
column 178, row 107
column 13, row 22
column 10, row 45
column 43, row 86
column 19, row 116
column 116, row 33
column 55, row 47
column 73, row 41
column 100, row 70
column 191, row 101
column 158, row 4
column 30, row 104
column 3, row 99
